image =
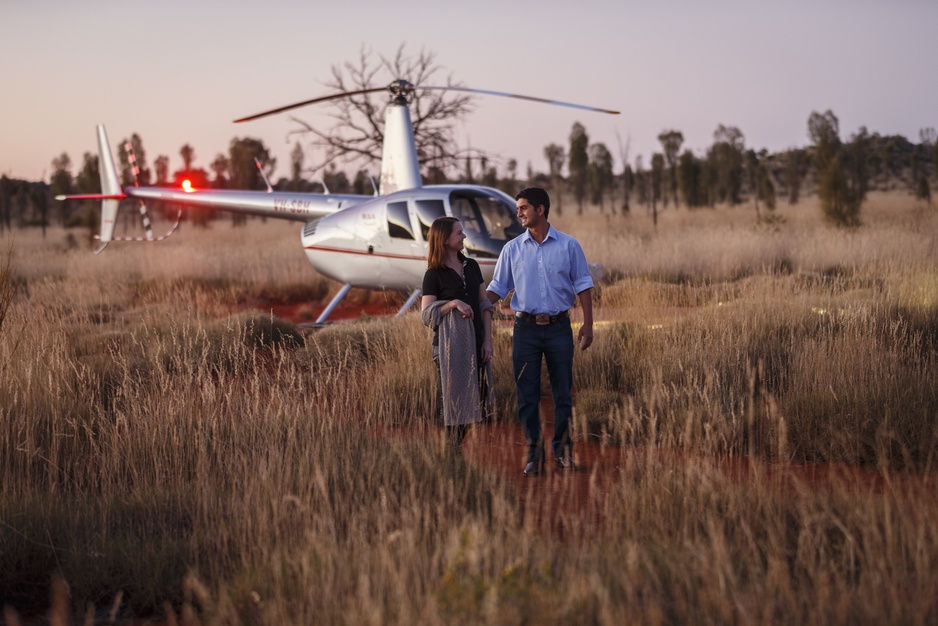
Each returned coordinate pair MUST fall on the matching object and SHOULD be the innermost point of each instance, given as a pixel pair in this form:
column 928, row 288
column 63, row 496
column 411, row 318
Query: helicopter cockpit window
column 398, row 221
column 427, row 211
column 488, row 220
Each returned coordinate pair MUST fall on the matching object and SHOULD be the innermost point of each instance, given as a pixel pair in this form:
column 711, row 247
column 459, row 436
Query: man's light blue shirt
column 546, row 276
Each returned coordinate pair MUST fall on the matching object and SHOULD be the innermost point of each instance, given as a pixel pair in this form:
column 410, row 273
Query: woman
column 455, row 307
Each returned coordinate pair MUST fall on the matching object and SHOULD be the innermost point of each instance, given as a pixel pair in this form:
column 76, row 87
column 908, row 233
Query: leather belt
column 542, row 320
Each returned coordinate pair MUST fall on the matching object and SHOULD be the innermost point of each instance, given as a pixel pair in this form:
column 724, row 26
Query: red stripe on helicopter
column 92, row 196
column 405, row 257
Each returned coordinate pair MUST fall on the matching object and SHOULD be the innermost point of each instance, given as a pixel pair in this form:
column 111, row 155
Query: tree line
column 727, row 172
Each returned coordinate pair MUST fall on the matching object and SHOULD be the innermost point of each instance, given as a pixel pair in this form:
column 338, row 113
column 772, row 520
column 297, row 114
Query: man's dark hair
column 537, row 197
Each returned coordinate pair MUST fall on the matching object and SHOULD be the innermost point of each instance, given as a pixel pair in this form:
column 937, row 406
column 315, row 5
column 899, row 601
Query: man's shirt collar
column 550, row 233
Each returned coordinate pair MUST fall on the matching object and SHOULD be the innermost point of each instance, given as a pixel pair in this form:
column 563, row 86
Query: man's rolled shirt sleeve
column 581, row 270
column 502, row 282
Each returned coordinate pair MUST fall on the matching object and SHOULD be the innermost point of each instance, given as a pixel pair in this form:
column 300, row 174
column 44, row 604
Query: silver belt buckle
column 542, row 320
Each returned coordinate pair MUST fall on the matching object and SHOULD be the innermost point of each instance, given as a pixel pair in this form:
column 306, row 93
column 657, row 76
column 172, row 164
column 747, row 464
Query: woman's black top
column 446, row 284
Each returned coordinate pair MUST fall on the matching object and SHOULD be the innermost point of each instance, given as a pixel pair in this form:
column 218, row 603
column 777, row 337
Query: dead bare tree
column 358, row 134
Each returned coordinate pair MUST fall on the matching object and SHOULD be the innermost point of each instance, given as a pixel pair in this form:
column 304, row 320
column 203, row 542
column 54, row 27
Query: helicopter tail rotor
column 112, row 193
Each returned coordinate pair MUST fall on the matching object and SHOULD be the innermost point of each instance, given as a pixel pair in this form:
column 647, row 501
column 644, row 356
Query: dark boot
column 456, row 435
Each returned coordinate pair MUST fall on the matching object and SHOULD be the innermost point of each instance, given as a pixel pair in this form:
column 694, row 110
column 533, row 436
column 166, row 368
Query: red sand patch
column 356, row 304
column 559, row 501
column 562, row 500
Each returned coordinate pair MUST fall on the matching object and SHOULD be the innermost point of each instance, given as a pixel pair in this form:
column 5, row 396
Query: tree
column 61, row 183
column 843, row 171
column 641, row 182
column 512, row 170
column 708, row 182
column 133, row 161
column 296, row 167
column 435, row 176
column 628, row 183
column 690, row 180
column 361, row 185
column 242, row 169
column 578, row 164
column 6, row 194
column 21, row 203
column 934, row 160
column 923, row 190
column 39, row 198
column 358, row 134
column 489, row 174
column 220, row 166
column 928, row 136
column 858, row 154
column 838, row 203
column 657, row 176
column 824, row 131
column 89, row 181
column 766, row 187
column 795, row 168
column 761, row 186
column 885, row 160
column 726, row 161
column 555, row 155
column 161, row 166
column 671, row 141
column 336, row 180
column 187, row 153
column 929, row 139
column 628, row 178
column 89, row 178
column 752, row 177
column 600, row 172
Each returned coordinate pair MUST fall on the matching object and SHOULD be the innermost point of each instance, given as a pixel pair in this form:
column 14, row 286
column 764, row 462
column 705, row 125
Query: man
column 547, row 269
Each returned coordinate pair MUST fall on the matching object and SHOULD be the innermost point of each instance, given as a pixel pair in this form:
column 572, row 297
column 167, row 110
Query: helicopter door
column 489, row 220
column 427, row 211
column 403, row 244
column 399, row 227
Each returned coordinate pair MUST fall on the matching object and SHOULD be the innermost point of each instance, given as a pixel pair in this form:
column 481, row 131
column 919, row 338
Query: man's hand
column 585, row 337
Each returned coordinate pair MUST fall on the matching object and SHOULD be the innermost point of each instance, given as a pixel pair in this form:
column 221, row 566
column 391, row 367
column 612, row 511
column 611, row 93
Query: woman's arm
column 464, row 309
column 488, row 349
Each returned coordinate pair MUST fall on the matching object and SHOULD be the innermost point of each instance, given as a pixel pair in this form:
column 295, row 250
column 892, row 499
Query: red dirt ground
column 558, row 500
column 356, row 304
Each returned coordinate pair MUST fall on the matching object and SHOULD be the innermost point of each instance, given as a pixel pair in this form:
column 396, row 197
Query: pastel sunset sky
column 177, row 72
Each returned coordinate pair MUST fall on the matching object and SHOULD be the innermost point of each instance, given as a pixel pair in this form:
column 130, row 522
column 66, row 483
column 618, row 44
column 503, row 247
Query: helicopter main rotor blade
column 297, row 105
column 520, row 97
column 401, row 89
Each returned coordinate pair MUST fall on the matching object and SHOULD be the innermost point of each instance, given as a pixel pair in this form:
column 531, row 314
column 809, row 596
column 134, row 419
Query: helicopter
column 374, row 241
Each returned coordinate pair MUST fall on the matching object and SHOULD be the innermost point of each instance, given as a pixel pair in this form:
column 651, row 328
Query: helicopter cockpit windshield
column 488, row 219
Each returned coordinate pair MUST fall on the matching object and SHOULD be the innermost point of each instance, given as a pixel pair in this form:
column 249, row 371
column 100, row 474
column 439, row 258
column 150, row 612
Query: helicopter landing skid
column 333, row 303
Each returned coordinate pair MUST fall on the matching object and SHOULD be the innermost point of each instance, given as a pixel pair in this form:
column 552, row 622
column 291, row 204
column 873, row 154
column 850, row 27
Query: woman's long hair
column 440, row 231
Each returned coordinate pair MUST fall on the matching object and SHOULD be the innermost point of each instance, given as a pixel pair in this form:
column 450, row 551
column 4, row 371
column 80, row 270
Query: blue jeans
column 553, row 342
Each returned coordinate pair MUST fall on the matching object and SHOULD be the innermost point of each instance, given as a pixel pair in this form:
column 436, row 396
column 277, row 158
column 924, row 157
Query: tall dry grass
column 220, row 465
